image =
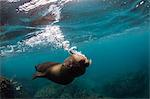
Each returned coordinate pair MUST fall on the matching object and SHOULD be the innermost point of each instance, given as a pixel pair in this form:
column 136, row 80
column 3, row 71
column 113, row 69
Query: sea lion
column 63, row 73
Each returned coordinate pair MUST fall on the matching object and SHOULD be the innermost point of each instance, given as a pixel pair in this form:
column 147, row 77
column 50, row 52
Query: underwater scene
column 74, row 49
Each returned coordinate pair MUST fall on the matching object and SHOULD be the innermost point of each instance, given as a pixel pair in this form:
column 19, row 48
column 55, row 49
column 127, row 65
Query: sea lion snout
column 84, row 61
column 76, row 60
column 88, row 62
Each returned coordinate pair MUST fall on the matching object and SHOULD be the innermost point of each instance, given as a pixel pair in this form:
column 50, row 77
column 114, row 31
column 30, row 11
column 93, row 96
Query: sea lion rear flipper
column 38, row 74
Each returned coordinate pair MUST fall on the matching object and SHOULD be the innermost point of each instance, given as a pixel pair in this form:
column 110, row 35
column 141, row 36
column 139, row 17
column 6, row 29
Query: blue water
column 113, row 33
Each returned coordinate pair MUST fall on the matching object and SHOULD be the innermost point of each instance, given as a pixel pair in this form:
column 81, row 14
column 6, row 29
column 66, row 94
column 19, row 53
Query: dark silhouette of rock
column 12, row 89
column 6, row 88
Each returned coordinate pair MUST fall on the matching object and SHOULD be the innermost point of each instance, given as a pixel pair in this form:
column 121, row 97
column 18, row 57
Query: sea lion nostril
column 86, row 64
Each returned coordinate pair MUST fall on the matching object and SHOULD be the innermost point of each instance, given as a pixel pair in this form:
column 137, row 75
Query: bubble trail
column 48, row 35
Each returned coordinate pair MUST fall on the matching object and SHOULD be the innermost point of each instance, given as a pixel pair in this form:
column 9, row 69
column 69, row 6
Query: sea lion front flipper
column 38, row 74
column 52, row 63
column 44, row 66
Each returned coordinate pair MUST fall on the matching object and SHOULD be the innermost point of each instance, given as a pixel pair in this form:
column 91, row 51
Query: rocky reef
column 6, row 88
column 70, row 91
column 131, row 85
column 11, row 89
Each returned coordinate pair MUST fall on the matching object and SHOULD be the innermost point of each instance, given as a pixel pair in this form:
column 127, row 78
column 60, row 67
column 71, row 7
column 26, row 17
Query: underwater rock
column 11, row 89
column 78, row 91
column 128, row 86
column 50, row 91
column 6, row 88
column 73, row 90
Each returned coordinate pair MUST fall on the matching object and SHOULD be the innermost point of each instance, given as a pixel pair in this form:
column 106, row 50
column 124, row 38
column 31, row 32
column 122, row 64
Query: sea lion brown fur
column 63, row 73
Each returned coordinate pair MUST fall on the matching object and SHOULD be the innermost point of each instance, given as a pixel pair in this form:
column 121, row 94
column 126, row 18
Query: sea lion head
column 76, row 64
column 82, row 60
